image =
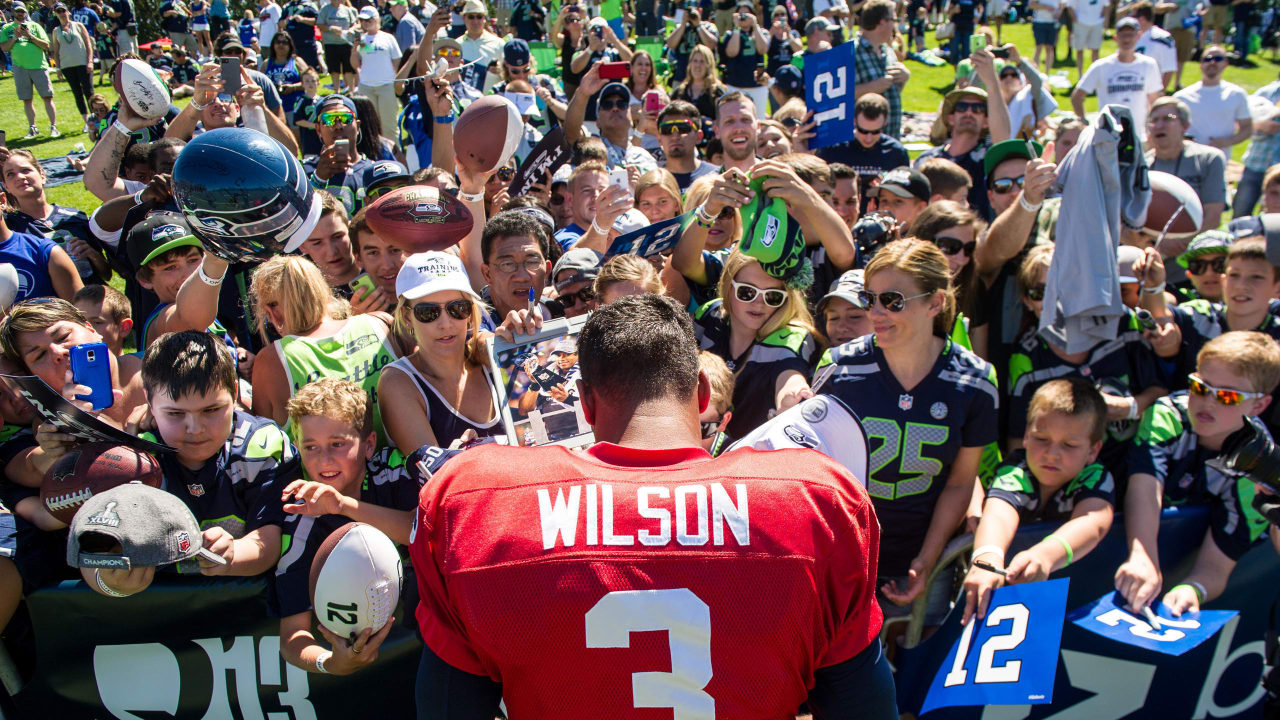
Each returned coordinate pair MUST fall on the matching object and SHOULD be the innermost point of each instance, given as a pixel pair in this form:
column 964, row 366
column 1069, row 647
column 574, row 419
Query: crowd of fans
column 920, row 305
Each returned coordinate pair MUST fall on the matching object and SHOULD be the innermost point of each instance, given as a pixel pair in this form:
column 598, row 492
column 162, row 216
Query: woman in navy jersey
column 929, row 407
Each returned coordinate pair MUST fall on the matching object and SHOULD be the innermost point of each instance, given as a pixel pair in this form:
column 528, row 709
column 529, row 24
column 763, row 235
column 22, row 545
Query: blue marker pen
column 531, row 298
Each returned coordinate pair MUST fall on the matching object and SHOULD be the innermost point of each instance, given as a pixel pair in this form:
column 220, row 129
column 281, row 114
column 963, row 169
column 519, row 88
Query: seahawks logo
column 427, row 211
column 798, row 437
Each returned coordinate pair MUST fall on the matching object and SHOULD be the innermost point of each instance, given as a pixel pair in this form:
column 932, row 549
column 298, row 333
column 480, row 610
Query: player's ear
column 370, row 445
column 588, row 402
column 704, row 391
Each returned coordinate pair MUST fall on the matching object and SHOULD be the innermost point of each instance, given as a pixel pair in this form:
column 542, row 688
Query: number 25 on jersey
column 1009, row 657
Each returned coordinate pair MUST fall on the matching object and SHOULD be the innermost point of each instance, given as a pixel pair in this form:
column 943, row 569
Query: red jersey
column 606, row 583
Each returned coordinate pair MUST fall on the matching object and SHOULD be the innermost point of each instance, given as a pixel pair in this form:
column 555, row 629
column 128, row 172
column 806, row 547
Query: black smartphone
column 3, row 136
column 1000, row 52
column 230, row 74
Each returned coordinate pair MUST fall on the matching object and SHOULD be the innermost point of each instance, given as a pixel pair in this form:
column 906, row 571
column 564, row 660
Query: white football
column 355, row 580
column 143, row 89
column 823, row 423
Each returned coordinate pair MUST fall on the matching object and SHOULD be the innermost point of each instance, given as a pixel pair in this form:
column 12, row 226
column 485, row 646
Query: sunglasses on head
column 584, row 296
column 1035, row 294
column 1226, row 396
column 618, row 104
column 428, row 312
column 676, row 127
column 1213, row 58
column 329, row 119
column 951, row 246
column 1197, row 266
column 1007, row 185
column 893, row 301
column 746, row 292
column 973, row 107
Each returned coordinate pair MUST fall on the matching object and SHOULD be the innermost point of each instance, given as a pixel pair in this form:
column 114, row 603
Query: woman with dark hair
column 957, row 230
column 285, row 69
column 644, row 75
column 372, row 144
column 569, row 31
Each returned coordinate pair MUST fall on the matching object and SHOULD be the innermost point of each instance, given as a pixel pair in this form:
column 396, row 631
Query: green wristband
column 1199, row 593
column 1071, row 556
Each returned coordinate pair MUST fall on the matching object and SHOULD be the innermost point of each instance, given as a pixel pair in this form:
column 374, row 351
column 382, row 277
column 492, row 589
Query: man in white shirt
column 1086, row 33
column 1155, row 42
column 268, row 22
column 478, row 42
column 376, row 57
column 1125, row 78
column 1219, row 109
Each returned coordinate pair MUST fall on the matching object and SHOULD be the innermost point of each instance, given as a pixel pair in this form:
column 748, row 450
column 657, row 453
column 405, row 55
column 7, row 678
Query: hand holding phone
column 342, row 150
column 362, row 286
column 615, row 70
column 618, row 177
column 91, row 367
column 977, row 42
column 230, row 74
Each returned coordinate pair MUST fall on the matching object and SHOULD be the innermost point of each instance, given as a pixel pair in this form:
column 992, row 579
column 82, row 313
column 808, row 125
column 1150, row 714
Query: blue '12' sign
column 650, row 240
column 1010, row 657
column 1159, row 631
column 828, row 92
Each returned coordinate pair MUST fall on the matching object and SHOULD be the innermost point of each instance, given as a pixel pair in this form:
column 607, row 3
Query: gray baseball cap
column 846, row 288
column 151, row 526
column 584, row 262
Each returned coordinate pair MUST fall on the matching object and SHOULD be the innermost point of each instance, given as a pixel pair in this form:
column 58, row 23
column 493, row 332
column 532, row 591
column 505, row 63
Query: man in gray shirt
column 335, row 20
column 409, row 32
column 1201, row 166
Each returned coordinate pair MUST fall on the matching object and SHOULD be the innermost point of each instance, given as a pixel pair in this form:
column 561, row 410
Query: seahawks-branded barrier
column 206, row 649
column 1101, row 678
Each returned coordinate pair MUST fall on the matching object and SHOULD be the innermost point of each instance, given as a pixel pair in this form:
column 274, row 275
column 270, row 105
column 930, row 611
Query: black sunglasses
column 951, row 246
column 861, row 130
column 1199, row 265
column 893, row 301
column 974, row 107
column 1213, row 58
column 506, row 173
column 1034, row 293
column 428, row 312
column 710, row 428
column 557, row 199
column 1007, row 185
column 612, row 104
column 584, row 296
column 790, row 123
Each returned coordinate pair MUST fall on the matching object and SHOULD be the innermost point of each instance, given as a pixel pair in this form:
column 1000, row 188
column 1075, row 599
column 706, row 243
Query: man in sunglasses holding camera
column 339, row 166
column 679, row 133
column 613, row 120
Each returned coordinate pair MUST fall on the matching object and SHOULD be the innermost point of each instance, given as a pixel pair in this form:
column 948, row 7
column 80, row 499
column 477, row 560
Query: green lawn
column 923, row 92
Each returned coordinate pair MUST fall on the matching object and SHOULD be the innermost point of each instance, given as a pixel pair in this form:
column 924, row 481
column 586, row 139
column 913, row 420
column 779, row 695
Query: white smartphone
column 618, row 176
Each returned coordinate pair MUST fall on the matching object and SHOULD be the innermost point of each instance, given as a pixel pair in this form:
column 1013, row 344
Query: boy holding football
column 1177, row 459
column 1054, row 477
column 352, row 480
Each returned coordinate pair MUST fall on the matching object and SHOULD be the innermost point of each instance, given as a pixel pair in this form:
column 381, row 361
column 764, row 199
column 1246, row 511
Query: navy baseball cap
column 789, row 78
column 336, row 98
column 615, row 88
column 516, row 52
column 379, row 174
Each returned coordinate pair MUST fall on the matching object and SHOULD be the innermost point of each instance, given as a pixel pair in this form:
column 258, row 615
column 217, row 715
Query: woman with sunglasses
column 932, row 406
column 1123, row 368
column 318, row 336
column 285, row 69
column 763, row 331
column 444, row 388
column 701, row 85
column 956, row 230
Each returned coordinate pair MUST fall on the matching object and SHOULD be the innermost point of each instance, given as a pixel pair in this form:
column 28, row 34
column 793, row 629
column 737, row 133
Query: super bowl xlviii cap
column 134, row 525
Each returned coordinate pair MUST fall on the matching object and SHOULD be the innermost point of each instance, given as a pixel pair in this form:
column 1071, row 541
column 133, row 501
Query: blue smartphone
column 91, row 367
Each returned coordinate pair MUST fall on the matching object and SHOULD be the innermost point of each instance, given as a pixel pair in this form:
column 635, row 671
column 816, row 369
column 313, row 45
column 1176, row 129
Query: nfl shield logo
column 904, row 402
column 196, row 490
column 184, row 542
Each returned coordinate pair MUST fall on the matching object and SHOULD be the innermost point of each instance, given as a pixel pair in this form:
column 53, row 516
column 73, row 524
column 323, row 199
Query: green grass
column 922, row 93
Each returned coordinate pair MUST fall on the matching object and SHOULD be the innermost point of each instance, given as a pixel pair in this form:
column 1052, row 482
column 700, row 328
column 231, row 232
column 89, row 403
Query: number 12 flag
column 1010, row 657
column 828, row 92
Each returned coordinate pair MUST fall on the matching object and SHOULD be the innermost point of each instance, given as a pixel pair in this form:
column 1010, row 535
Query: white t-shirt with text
column 379, row 54
column 1127, row 84
column 1158, row 44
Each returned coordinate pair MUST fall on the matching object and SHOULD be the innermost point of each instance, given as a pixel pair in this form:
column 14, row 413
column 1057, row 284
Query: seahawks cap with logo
column 150, row 527
column 846, row 287
column 773, row 237
column 157, row 235
column 380, row 173
column 823, row 423
column 431, row 272
column 904, row 182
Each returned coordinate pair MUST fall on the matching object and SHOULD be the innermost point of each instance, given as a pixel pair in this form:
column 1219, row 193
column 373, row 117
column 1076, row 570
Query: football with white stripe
column 93, row 468
column 355, row 580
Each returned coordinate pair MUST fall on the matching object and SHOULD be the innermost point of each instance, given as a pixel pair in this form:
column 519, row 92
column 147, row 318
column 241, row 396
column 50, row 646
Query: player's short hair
column 1039, row 258
column 810, row 168
column 589, row 148
column 1143, row 9
column 628, row 268
column 331, row 205
column 135, row 155
column 720, row 377
column 35, row 315
column 299, row 287
column 945, row 177
column 333, row 398
column 1180, row 107
column 840, row 171
column 1245, row 352
column 1073, row 397
column 735, row 96
column 681, row 109
column 190, row 362
column 1252, row 248
column 924, row 263
column 871, row 106
column 511, row 223
column 114, row 303
column 875, row 12
column 638, row 349
column 154, row 148
column 431, row 173
column 311, row 71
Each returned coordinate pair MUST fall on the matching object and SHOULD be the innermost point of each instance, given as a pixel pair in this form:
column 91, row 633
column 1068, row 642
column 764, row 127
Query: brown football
column 92, row 468
column 419, row 218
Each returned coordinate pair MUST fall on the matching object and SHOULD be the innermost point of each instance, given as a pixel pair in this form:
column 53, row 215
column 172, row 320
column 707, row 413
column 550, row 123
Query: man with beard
column 737, row 130
column 679, row 133
column 972, row 124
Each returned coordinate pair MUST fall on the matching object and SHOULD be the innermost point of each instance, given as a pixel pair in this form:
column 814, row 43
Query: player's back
column 593, row 584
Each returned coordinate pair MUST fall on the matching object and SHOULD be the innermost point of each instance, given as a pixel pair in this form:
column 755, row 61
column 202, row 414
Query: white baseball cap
column 8, row 285
column 630, row 221
column 430, row 272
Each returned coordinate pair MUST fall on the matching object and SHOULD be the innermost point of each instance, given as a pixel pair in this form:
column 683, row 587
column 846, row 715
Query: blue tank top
column 446, row 422
column 285, row 74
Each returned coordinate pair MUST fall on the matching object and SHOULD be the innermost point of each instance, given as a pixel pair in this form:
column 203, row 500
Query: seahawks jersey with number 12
column 915, row 435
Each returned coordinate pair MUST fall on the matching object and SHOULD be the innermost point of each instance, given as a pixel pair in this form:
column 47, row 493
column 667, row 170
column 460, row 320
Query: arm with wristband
column 990, row 542
column 1089, row 522
column 1207, row 580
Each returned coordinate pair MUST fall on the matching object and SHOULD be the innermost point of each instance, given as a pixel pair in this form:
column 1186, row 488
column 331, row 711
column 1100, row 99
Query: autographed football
column 419, row 218
column 142, row 88
column 1169, row 194
column 355, row 580
column 487, row 133
column 92, row 468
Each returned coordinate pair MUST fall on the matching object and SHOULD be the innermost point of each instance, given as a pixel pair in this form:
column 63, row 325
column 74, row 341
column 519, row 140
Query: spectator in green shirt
column 28, row 45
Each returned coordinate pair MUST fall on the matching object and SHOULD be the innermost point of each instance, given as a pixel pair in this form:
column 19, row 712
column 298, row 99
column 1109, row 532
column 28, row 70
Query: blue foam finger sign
column 1009, row 657
column 1160, row 631
column 828, row 92
column 652, row 239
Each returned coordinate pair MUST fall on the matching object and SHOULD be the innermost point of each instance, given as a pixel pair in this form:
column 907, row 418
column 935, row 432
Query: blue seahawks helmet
column 245, row 196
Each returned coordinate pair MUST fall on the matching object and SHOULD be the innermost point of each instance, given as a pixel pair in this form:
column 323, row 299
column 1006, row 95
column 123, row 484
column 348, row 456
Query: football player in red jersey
column 643, row 573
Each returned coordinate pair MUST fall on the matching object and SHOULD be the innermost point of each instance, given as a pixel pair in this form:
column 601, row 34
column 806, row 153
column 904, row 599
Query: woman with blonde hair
column 931, row 403
column 701, row 85
column 626, row 275
column 957, row 230
column 444, row 389
column 762, row 329
column 658, row 195
column 318, row 336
